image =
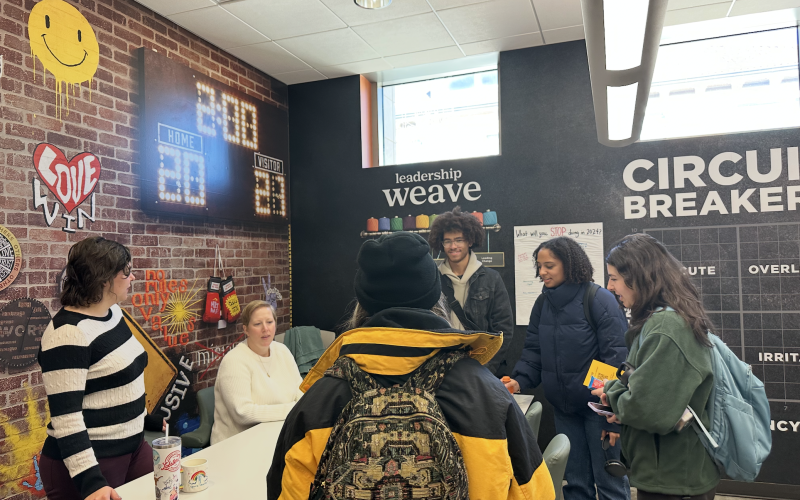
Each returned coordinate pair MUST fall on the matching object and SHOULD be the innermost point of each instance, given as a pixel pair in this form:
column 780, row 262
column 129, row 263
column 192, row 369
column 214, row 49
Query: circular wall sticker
column 22, row 324
column 10, row 258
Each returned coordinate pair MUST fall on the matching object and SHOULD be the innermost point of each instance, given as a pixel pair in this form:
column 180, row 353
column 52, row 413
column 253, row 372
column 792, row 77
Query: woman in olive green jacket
column 669, row 349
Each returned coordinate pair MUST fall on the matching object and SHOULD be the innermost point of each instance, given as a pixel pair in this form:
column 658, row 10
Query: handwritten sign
column 528, row 238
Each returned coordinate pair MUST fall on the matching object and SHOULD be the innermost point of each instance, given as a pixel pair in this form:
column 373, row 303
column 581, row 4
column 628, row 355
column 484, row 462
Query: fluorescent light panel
column 621, row 109
column 625, row 22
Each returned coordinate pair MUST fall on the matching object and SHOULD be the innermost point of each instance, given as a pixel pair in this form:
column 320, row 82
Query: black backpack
column 392, row 442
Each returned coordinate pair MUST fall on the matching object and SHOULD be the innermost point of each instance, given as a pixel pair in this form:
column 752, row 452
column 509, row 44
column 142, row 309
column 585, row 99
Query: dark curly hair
column 577, row 268
column 456, row 221
column 91, row 264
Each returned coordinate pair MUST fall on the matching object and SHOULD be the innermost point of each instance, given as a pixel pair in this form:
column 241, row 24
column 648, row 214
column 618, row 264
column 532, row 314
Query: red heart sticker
column 70, row 181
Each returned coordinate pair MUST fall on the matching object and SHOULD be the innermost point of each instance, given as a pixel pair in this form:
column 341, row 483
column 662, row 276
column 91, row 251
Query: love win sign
column 71, row 181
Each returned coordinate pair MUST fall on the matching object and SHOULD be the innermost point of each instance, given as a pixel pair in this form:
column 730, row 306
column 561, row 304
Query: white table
column 237, row 467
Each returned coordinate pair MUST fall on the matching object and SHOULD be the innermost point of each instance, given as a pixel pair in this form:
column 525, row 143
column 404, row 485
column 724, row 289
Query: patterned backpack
column 392, row 442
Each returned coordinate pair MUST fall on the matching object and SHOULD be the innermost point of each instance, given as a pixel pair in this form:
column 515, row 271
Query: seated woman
column 258, row 380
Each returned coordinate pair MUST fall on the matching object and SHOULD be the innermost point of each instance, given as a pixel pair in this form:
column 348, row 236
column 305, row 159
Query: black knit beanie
column 397, row 270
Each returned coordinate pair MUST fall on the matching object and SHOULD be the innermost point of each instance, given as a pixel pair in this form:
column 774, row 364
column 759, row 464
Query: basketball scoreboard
column 209, row 150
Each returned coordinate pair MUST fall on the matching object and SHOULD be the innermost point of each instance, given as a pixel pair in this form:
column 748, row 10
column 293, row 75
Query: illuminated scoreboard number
column 270, row 193
column 181, row 167
column 237, row 119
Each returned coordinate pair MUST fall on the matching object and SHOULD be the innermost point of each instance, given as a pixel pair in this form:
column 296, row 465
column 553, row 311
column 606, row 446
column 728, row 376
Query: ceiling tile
column 269, row 57
column 554, row 14
column 696, row 14
column 450, row 4
column 330, row 48
column 501, row 44
column 175, row 6
column 306, row 75
column 742, row 7
column 356, row 68
column 686, row 4
column 564, row 34
column 218, row 27
column 354, row 15
column 487, row 21
column 285, row 18
column 425, row 57
column 409, row 34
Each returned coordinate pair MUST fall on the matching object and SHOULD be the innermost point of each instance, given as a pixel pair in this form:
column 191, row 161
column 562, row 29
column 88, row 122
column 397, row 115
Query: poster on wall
column 22, row 324
column 211, row 151
column 527, row 238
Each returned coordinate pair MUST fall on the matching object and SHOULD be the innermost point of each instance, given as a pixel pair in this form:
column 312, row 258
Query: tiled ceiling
column 299, row 41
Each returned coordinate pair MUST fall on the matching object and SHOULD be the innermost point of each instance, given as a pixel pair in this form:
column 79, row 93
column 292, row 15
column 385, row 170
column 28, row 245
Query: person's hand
column 602, row 395
column 164, row 425
column 512, row 386
column 613, row 420
column 104, row 493
column 612, row 437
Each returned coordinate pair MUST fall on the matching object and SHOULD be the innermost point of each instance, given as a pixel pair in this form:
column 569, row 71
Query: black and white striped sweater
column 93, row 371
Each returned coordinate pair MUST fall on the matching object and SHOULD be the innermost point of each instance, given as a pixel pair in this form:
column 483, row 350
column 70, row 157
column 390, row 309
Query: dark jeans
column 117, row 470
column 585, row 466
column 644, row 495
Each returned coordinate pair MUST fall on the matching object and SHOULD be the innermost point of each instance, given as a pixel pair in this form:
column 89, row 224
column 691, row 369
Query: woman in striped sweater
column 93, row 371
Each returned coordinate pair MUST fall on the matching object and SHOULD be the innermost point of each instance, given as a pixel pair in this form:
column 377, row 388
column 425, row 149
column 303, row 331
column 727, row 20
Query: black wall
column 551, row 170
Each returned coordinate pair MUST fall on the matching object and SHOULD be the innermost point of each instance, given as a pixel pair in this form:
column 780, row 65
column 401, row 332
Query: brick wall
column 105, row 122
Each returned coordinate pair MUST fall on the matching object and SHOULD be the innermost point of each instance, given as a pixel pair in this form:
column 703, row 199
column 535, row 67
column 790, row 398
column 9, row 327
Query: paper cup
column 194, row 475
column 167, row 467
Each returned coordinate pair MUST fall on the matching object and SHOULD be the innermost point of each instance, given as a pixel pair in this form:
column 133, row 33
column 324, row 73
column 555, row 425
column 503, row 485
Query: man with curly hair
column 476, row 294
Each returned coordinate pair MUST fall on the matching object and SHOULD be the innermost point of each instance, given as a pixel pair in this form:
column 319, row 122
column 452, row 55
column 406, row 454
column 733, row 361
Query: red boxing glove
column 230, row 302
column 213, row 312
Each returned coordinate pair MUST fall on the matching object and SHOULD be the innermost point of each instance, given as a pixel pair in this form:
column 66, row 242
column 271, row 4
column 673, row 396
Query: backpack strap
column 346, row 368
column 588, row 299
column 457, row 309
column 430, row 375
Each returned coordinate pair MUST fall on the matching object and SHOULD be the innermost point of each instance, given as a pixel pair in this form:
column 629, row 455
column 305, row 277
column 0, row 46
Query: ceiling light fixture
column 373, row 4
column 622, row 38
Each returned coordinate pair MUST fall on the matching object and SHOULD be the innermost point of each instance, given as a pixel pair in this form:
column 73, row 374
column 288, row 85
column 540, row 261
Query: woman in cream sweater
column 258, row 380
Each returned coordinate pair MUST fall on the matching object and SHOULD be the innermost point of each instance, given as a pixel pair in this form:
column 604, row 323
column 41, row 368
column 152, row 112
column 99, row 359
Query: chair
column 556, row 456
column 200, row 437
column 534, row 417
column 327, row 337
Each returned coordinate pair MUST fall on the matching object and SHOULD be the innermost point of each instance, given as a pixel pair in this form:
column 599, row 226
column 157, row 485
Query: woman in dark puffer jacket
column 559, row 347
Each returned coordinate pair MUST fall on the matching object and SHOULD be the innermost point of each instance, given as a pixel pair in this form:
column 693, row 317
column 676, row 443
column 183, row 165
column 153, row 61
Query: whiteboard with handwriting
column 528, row 238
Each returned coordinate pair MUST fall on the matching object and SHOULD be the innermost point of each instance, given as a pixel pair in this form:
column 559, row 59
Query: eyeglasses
column 458, row 242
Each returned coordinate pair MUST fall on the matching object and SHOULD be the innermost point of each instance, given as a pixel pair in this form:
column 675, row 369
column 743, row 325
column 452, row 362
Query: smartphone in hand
column 601, row 409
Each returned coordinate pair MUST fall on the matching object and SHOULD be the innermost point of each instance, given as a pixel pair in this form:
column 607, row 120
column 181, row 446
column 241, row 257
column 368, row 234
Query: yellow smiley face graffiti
column 64, row 42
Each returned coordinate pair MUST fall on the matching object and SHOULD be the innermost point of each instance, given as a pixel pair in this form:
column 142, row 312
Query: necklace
column 266, row 365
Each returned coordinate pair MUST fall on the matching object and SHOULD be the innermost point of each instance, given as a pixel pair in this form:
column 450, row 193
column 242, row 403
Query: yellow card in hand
column 598, row 374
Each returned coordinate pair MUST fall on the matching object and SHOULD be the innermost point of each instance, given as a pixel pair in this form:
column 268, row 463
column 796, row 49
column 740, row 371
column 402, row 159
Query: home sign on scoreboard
column 209, row 150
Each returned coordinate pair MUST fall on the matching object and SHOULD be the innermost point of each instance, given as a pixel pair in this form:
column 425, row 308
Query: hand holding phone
column 600, row 409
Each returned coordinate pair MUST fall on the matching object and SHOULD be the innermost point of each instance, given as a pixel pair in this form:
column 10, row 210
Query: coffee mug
column 194, row 476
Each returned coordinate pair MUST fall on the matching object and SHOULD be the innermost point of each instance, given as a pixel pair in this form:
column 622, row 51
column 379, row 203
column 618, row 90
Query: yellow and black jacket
column 502, row 458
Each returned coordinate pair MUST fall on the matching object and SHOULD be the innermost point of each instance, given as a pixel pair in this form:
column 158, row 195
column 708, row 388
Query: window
column 441, row 119
column 725, row 85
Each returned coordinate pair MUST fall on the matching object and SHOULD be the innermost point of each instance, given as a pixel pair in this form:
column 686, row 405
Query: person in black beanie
column 400, row 327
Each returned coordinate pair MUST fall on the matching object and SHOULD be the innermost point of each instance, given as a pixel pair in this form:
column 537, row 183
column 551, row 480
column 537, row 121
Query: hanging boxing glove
column 213, row 310
column 230, row 302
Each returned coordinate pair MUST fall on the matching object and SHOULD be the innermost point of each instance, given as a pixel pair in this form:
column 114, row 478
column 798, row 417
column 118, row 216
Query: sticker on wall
column 22, row 324
column 23, row 438
column 10, row 258
column 71, row 181
column 65, row 43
